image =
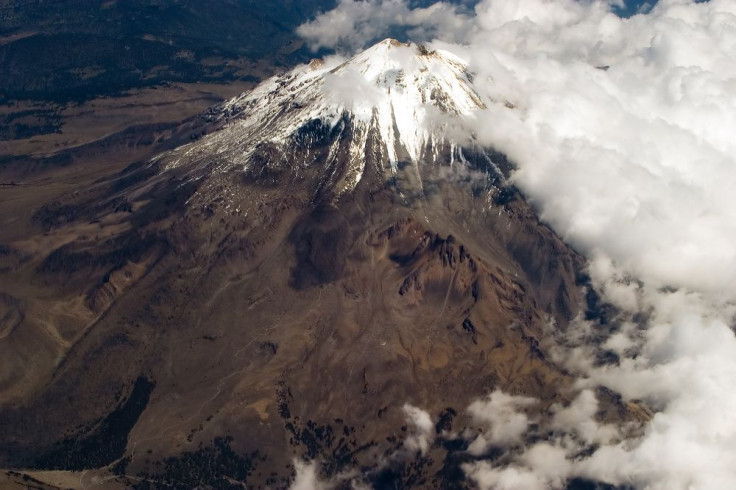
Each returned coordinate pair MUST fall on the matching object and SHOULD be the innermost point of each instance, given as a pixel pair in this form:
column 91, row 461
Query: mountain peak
column 404, row 95
column 433, row 78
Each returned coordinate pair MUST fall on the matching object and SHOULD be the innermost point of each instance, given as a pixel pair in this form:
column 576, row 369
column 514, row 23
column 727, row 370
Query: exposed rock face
column 288, row 288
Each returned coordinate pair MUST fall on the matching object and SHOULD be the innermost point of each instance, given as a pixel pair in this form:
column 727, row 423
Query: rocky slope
column 278, row 290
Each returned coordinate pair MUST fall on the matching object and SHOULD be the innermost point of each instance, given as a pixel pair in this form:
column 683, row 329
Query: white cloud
column 550, row 463
column 488, row 477
column 634, row 165
column 351, row 89
column 545, row 465
column 504, row 420
column 422, row 429
column 306, row 477
column 352, row 24
column 579, row 418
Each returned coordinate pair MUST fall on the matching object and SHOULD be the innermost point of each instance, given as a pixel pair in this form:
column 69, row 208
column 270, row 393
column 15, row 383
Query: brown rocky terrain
column 146, row 329
column 168, row 323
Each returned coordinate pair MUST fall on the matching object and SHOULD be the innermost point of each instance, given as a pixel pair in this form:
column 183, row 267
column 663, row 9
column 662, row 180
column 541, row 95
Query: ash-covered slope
column 279, row 289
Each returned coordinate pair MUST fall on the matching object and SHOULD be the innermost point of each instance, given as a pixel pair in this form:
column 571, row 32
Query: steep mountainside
column 278, row 290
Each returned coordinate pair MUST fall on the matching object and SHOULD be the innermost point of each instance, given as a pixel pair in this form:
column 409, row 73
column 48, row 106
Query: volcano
column 326, row 252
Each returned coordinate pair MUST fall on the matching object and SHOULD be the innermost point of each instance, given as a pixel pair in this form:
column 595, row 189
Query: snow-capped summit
column 401, row 99
column 407, row 88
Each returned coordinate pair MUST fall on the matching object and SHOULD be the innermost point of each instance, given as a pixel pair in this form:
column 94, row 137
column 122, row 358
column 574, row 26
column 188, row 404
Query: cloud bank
column 422, row 429
column 505, row 422
column 306, row 477
column 623, row 134
column 352, row 25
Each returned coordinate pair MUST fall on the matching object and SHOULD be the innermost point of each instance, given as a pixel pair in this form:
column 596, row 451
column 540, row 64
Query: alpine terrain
column 312, row 265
